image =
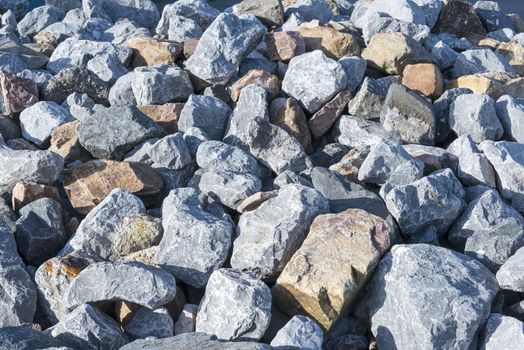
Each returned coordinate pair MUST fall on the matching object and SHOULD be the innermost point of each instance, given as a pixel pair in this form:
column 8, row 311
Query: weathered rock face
column 283, row 46
column 424, row 78
column 150, row 323
column 511, row 113
column 165, row 115
column 20, row 338
column 501, row 332
column 333, row 43
column 40, row 120
column 271, row 12
column 143, row 12
column 368, row 101
column 287, row 113
column 324, row 282
column 27, row 192
column 480, row 61
column 429, row 280
column 17, row 93
column 268, row 81
column 301, row 332
column 510, row 276
column 236, row 306
column 322, row 121
column 150, row 52
column 458, row 17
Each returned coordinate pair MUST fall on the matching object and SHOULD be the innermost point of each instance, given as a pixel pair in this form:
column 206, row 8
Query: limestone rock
column 150, row 52
column 333, row 43
column 197, row 10
column 480, row 61
column 287, row 113
column 150, row 323
column 510, row 276
column 355, row 68
column 137, row 232
column 268, row 81
column 40, row 120
column 283, row 46
column 356, row 132
column 368, row 101
column 501, row 332
column 300, row 332
column 510, row 112
column 24, row 338
column 143, row 12
column 219, row 156
column 187, row 320
column 38, row 19
column 442, row 108
column 271, row 12
column 424, row 78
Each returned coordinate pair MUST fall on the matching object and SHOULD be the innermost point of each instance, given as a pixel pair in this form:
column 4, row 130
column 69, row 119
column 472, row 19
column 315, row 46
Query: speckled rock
column 40, row 120
column 300, row 332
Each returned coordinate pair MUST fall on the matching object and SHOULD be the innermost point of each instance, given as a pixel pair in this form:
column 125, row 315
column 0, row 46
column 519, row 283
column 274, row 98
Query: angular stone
column 182, row 29
column 255, row 200
column 143, row 12
column 107, row 67
column 492, row 15
column 480, row 61
column 40, row 120
column 355, row 68
column 64, row 141
column 271, row 12
column 170, row 152
column 444, row 55
column 442, row 108
column 24, row 338
column 27, row 192
column 278, row 233
column 350, row 163
column 268, row 81
column 137, row 232
column 246, row 316
column 376, row 25
column 229, row 188
column 150, row 52
column 300, row 332
column 322, row 121
column 513, row 52
column 424, row 78
column 283, row 46
column 80, row 105
column 333, row 43
column 187, row 320
column 324, row 282
column 458, row 17
column 356, row 132
column 222, row 46
column 368, row 101
column 510, row 276
column 17, row 93
column 287, row 113
column 429, row 280
column 165, row 115
column 38, row 19
column 501, row 332
column 308, row 10
column 510, row 112
column 197, row 10
column 150, row 323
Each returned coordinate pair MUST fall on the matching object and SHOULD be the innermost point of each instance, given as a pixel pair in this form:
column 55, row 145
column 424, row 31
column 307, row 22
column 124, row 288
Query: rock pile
column 284, row 174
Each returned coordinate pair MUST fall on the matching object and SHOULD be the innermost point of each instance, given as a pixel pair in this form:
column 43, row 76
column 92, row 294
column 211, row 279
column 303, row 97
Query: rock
column 40, row 120
column 17, row 93
column 24, row 338
column 137, row 232
column 322, row 121
column 246, row 316
column 182, row 29
column 143, row 12
column 392, row 52
column 111, row 132
column 40, row 232
column 480, row 61
column 134, row 282
column 88, row 327
column 207, row 113
column 217, row 56
column 434, row 158
column 185, row 223
column 80, row 105
column 492, row 16
column 9, row 129
column 438, row 200
column 324, row 282
column 424, row 78
column 510, row 276
column 458, row 17
column 410, row 276
column 333, row 43
column 376, row 25
column 150, row 323
column 442, row 107
column 27, row 166
column 18, row 291
column 150, row 52
column 27, row 192
column 324, row 79
column 38, row 19
column 356, row 132
column 510, row 112
column 349, row 165
column 300, row 332
column 165, row 115
column 199, row 11
column 278, row 233
column 271, row 12
column 88, row 184
column 513, row 52
column 255, row 200
column 283, row 46
column 187, row 320
column 64, row 141
column 355, row 68
column 268, row 81
column 287, row 114
column 309, row 10
column 444, row 55
column 501, row 331
column 388, row 162
column 368, row 101
column 170, row 152
column 217, row 156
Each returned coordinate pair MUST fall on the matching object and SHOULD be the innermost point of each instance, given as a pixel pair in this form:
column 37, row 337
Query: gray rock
column 501, row 332
column 329, row 154
column 480, row 61
column 31, row 166
column 110, row 133
column 65, row 5
column 39, row 77
column 107, row 67
column 25, row 338
column 134, row 282
column 182, row 28
column 300, row 332
column 40, row 120
column 435, row 200
column 196, row 242
column 143, row 12
column 7, row 215
column 403, row 10
column 271, row 12
column 313, row 79
column 391, row 25
column 207, row 113
column 492, row 16
column 38, row 19
column 422, row 296
column 355, row 68
column 368, row 101
column 268, row 236
column 8, row 128
column 170, row 152
column 356, row 132
column 309, row 10
column 511, row 115
column 444, row 55
column 80, row 106
column 510, row 276
column 150, row 323
column 18, row 7
column 137, row 232
column 86, row 327
column 442, row 108
column 236, row 306
column 18, row 302
column 187, row 320
column 123, row 30
column 475, row 115
column 197, row 10
column 388, row 162
column 434, row 158
column 288, row 177
column 222, row 47
column 193, row 138
column 502, row 35
column 31, row 58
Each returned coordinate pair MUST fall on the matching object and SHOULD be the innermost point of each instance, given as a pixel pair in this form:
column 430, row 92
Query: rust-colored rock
column 268, row 81
column 27, row 192
column 514, row 53
column 350, row 164
column 325, row 117
column 255, row 200
column 88, row 184
column 165, row 115
column 150, row 52
column 335, row 261
column 424, row 78
column 283, row 46
column 458, row 17
column 17, row 93
column 287, row 113
column 333, row 43
column 494, row 84
column 64, row 141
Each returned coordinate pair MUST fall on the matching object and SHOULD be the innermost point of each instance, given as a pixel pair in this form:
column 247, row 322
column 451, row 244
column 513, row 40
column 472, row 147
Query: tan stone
column 488, row 43
column 145, row 256
column 138, row 232
column 124, row 311
column 88, row 184
column 27, row 192
column 349, row 165
column 325, row 117
column 287, row 113
column 283, row 46
column 64, row 141
column 514, row 53
column 45, row 37
column 150, row 52
column 255, row 200
column 333, row 43
column 494, row 84
column 190, row 46
column 165, row 115
column 424, row 78
column 335, row 261
column 268, row 81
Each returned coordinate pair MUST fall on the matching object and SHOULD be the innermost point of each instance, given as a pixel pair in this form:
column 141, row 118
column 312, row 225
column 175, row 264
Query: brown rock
column 424, row 78
column 255, row 200
column 514, row 53
column 27, row 192
column 190, row 47
column 124, row 311
column 286, row 113
column 64, row 141
column 165, row 115
column 325, row 117
column 283, row 46
column 262, row 78
column 333, row 43
column 458, row 17
column 150, row 52
column 88, row 184
column 17, row 93
column 335, row 261
column 494, row 84
column 349, row 165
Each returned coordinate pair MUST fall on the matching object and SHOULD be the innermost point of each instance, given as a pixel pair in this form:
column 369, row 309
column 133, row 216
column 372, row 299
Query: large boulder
column 143, row 12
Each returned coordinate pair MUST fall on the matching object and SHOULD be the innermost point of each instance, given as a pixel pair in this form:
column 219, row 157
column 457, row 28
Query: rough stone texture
column 442, row 107
column 424, row 78
column 426, row 280
column 38, row 19
column 434, row 158
column 323, row 282
column 300, row 332
column 150, row 323
column 350, row 163
column 333, row 43
column 376, row 25
column 369, row 99
column 27, row 192
column 165, row 115
column 17, row 93
column 137, row 232
column 510, row 276
column 40, row 120
column 283, row 46
column 458, row 17
column 287, row 113
column 197, row 10
column 196, row 242
column 150, row 52
column 501, row 332
column 268, row 236
column 25, row 338
column 270, row 12
column 111, row 132
column 186, row 322
column 64, row 142
column 262, row 78
column 143, row 12
column 236, row 306
column 480, row 61
column 435, row 200
column 356, row 132
column 322, row 121
column 513, row 52
column 355, row 68
column 223, row 45
column 510, row 112
column 313, row 79
column 219, row 156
